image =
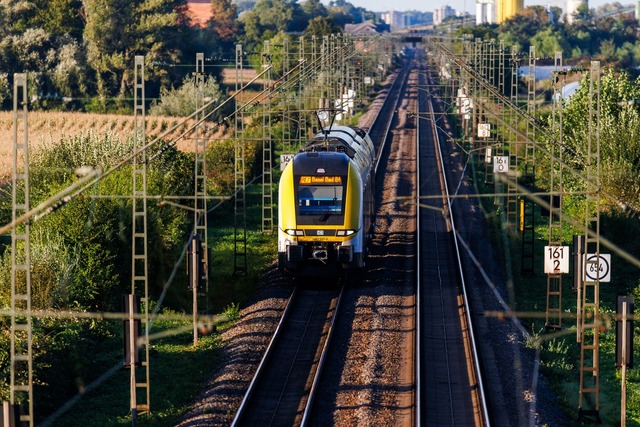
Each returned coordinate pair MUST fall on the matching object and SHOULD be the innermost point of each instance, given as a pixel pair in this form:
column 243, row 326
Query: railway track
column 449, row 384
column 282, row 390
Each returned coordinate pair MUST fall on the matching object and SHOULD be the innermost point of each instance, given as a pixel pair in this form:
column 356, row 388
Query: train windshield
column 320, row 203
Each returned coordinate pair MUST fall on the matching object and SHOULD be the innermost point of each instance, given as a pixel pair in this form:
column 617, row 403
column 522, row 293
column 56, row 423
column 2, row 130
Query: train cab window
column 320, row 203
column 319, row 200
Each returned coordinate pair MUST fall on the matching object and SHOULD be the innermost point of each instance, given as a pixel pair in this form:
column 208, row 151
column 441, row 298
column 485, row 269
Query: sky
column 468, row 5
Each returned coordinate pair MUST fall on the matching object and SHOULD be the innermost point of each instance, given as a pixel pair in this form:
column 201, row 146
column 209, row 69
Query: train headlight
column 345, row 232
column 293, row 232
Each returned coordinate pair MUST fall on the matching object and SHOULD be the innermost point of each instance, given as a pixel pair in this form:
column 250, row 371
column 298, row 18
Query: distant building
column 485, row 12
column 507, row 9
column 442, row 13
column 400, row 20
column 396, row 20
column 497, row 11
column 199, row 12
column 362, row 29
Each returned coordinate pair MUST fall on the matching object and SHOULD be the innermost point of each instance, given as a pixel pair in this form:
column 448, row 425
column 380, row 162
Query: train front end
column 320, row 215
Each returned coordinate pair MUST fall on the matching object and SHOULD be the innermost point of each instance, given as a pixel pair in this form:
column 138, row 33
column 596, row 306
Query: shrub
column 181, row 102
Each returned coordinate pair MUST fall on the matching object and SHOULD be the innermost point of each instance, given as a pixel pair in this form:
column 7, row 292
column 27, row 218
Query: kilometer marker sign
column 500, row 164
column 556, row 259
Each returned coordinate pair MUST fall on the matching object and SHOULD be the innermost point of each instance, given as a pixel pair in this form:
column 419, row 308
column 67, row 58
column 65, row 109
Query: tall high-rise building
column 507, row 9
column 497, row 11
column 441, row 13
column 485, row 12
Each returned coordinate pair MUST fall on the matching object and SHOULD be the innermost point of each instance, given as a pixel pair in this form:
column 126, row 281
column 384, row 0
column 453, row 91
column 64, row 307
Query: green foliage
column 4, row 88
column 232, row 311
column 321, row 26
column 117, row 30
column 223, row 19
column 82, row 149
column 59, row 17
column 548, row 42
column 220, row 167
column 181, row 102
column 270, row 17
column 220, row 164
column 620, row 158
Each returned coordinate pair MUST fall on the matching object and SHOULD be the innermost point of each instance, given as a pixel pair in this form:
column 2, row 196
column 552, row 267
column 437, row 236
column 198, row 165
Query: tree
column 59, row 17
column 117, row 30
column 224, row 20
column 268, row 18
column 526, row 24
column 314, row 9
column 182, row 101
column 320, row 27
column 548, row 42
column 619, row 135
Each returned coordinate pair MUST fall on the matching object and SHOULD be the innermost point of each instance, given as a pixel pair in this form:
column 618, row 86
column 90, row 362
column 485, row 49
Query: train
column 326, row 204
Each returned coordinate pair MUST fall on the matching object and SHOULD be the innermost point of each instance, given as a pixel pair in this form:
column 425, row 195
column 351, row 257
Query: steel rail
column 403, row 76
column 323, row 357
column 418, row 334
column 263, row 362
column 476, row 360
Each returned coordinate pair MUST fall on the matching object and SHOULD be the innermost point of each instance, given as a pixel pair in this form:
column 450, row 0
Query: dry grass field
column 50, row 127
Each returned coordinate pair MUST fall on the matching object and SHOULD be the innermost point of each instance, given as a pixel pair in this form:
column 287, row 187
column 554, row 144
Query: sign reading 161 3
column 556, row 259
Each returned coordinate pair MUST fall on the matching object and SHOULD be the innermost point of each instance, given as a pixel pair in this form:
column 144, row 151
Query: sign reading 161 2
column 556, row 259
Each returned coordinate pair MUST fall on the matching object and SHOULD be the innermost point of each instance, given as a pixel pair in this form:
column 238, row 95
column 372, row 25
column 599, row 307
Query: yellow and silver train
column 325, row 204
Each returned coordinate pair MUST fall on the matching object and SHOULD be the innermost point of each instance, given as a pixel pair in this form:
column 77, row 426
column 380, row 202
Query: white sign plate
column 556, row 259
column 487, row 156
column 484, row 130
column 597, row 270
column 284, row 159
column 500, row 164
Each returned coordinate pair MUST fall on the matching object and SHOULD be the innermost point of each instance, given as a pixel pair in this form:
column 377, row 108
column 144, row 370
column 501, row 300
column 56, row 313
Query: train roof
column 354, row 142
column 344, row 139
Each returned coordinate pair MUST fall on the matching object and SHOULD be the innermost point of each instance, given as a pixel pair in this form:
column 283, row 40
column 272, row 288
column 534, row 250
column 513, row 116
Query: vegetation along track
column 282, row 394
column 369, row 376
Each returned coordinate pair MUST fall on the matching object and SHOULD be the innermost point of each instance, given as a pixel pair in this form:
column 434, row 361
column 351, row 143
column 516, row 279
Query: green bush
column 181, row 102
column 220, row 165
column 81, row 255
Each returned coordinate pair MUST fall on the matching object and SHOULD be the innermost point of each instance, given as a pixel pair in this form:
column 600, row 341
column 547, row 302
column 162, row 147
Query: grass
column 178, row 370
column 560, row 353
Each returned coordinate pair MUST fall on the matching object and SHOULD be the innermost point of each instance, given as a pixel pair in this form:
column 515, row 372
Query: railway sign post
column 484, row 130
column 284, row 159
column 500, row 164
column 597, row 268
column 487, row 156
column 556, row 259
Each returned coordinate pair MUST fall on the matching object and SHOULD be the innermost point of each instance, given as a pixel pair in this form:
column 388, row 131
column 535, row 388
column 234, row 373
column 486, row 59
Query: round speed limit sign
column 597, row 268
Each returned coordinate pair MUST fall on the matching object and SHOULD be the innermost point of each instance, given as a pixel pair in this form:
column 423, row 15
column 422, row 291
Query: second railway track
column 449, row 381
